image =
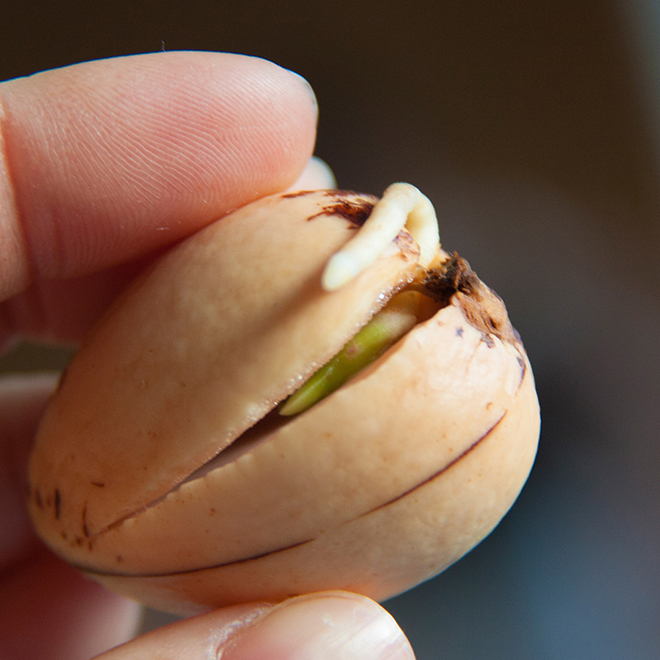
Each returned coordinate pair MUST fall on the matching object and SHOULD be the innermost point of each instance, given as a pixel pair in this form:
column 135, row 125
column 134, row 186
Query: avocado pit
column 164, row 469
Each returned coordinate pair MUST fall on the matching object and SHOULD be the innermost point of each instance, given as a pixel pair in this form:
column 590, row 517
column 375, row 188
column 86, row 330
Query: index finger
column 103, row 162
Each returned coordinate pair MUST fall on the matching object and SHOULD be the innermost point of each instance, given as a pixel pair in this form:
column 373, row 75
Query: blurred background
column 534, row 127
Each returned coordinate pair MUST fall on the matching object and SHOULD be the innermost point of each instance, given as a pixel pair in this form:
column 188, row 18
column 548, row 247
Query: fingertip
column 330, row 625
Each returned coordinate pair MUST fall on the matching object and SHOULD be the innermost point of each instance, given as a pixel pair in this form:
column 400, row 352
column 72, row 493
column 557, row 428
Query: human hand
column 102, row 166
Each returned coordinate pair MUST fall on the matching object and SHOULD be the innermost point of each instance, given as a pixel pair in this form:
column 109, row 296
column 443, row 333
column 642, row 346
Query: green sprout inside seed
column 383, row 331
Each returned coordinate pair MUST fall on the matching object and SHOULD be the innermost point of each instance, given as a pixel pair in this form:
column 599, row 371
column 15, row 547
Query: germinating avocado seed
column 309, row 394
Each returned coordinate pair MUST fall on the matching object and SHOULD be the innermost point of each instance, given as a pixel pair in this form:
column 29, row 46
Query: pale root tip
column 402, row 207
column 340, row 270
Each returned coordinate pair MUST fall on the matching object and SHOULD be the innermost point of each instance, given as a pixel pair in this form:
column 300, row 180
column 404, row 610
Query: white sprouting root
column 402, row 205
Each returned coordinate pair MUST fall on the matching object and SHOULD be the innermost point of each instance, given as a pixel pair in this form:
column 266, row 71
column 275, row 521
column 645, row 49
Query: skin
column 103, row 165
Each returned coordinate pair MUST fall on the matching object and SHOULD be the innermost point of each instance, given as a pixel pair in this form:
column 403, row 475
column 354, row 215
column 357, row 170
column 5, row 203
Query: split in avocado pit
column 383, row 331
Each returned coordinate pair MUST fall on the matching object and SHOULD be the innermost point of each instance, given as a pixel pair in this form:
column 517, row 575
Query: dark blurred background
column 534, row 127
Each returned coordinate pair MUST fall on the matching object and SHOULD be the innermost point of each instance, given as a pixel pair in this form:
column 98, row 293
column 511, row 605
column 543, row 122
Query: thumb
column 320, row 626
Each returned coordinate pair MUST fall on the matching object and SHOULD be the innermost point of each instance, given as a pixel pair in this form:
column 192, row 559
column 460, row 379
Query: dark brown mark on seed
column 58, row 503
column 85, row 529
column 348, row 205
column 98, row 484
column 298, row 193
column 523, row 372
column 455, row 281
column 454, row 276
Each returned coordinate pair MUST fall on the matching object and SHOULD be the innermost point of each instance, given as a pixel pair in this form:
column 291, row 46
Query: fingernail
column 317, row 627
